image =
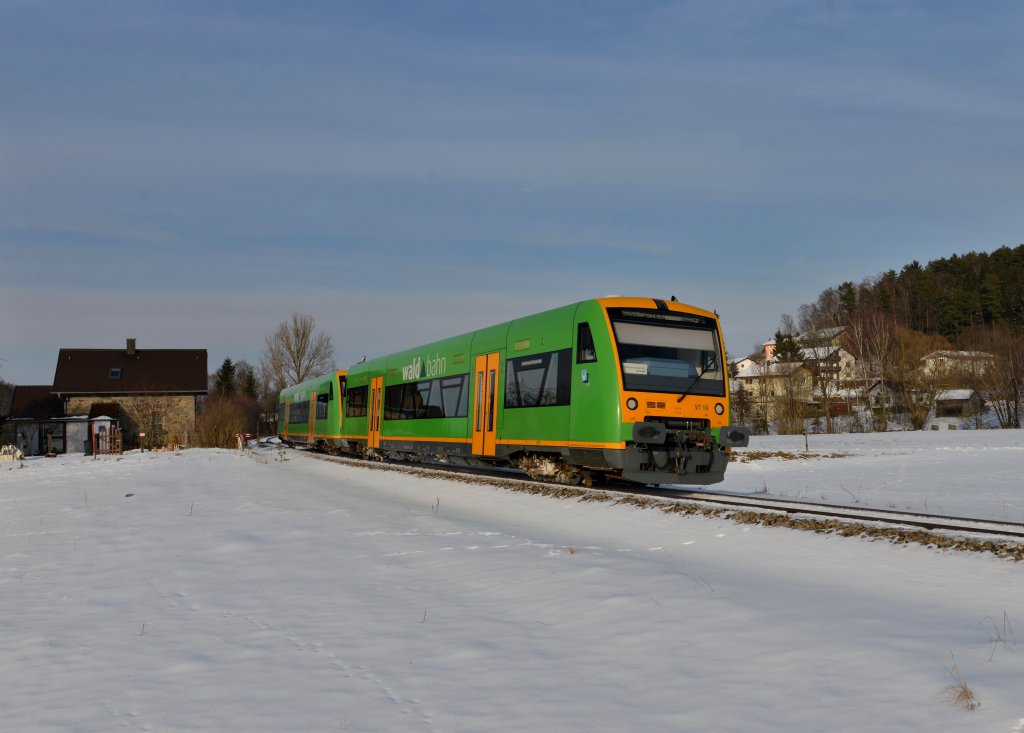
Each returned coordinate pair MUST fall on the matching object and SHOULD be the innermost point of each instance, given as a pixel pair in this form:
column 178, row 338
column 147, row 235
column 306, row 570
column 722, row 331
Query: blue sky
column 191, row 173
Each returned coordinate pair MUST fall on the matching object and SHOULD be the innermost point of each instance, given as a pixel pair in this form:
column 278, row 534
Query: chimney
column 131, row 347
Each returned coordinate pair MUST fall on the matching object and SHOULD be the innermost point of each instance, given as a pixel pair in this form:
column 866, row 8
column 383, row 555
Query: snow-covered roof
column 824, row 334
column 955, row 394
column 771, row 369
column 959, row 355
column 818, row 353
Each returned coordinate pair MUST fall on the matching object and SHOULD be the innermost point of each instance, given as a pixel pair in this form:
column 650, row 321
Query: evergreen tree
column 947, row 297
column 993, row 305
column 248, row 384
column 786, row 348
column 848, row 297
column 224, row 379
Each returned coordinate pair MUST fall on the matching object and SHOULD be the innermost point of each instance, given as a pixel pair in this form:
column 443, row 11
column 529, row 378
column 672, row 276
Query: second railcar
column 310, row 412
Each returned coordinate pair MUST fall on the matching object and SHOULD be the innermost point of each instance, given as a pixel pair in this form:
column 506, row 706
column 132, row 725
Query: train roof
column 313, row 381
column 611, row 301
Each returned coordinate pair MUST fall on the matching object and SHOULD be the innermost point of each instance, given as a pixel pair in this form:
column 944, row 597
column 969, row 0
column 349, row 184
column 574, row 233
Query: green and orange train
column 635, row 388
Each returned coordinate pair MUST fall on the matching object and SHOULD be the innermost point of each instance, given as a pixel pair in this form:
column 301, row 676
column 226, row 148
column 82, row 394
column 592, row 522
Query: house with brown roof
column 157, row 393
column 150, row 396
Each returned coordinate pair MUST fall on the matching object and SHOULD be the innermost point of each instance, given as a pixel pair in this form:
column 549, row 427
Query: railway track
column 930, row 522
column 963, row 533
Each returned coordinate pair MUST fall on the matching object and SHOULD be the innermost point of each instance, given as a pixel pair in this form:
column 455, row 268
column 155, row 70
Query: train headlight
column 719, row 408
column 631, row 403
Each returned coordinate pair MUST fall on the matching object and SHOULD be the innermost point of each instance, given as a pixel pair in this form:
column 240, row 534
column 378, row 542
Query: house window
column 115, row 372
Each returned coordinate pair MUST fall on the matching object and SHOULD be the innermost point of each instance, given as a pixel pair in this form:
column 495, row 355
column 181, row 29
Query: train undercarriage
column 661, row 452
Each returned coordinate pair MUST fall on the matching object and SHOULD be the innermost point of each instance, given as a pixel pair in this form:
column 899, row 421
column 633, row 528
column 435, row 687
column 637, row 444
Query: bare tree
column 825, row 313
column 791, row 388
column 915, row 387
column 1001, row 379
column 295, row 352
column 761, row 396
column 787, row 325
column 870, row 337
column 821, row 322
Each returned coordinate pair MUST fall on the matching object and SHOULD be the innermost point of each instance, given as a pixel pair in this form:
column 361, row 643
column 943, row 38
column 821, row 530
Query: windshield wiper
column 693, row 384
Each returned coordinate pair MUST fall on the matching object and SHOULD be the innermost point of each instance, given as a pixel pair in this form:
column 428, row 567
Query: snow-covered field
column 964, row 473
column 219, row 591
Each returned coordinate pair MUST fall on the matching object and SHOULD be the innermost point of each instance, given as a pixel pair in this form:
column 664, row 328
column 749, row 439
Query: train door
column 339, row 406
column 376, row 405
column 285, row 418
column 312, row 416
column 485, row 404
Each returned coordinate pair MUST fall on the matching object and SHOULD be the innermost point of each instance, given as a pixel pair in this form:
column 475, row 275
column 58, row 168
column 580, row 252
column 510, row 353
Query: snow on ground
column 225, row 591
column 965, row 473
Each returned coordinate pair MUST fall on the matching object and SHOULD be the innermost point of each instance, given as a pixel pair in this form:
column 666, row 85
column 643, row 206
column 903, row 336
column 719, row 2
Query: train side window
column 541, row 380
column 405, row 401
column 322, row 398
column 299, row 412
column 454, row 395
column 357, row 399
column 431, row 398
column 585, row 351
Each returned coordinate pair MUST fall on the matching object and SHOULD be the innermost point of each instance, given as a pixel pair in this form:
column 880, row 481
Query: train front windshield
column 665, row 351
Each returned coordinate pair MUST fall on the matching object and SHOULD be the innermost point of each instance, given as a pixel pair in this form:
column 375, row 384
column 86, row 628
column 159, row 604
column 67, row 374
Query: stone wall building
column 157, row 393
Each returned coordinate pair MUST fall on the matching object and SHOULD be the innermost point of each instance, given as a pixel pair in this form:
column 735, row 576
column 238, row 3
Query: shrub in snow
column 11, row 453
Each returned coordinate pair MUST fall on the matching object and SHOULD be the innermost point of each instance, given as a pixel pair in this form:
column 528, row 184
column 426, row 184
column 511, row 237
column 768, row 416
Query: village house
column 149, row 396
column 823, row 337
column 961, row 403
column 738, row 365
column 957, row 365
column 774, row 387
column 835, row 362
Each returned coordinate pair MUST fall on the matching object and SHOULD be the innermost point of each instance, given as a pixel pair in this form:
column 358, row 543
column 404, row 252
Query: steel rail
column 931, row 522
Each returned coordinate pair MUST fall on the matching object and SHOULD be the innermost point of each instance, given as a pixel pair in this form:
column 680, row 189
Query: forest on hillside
column 946, row 297
column 956, row 301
